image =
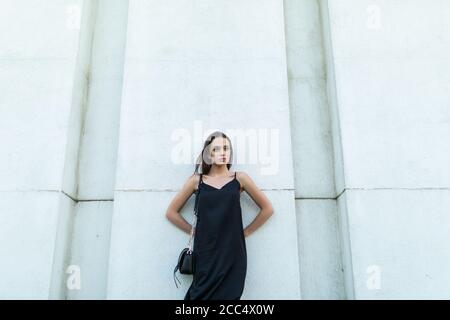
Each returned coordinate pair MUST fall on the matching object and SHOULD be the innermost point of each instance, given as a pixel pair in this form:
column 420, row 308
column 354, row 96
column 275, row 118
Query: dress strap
column 196, row 195
column 235, row 174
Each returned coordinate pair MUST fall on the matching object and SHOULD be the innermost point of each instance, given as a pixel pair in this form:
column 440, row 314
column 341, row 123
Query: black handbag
column 186, row 261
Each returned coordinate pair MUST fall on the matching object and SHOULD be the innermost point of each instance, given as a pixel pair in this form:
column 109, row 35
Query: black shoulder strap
column 196, row 195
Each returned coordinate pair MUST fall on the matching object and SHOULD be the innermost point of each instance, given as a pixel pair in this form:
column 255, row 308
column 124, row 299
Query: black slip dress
column 219, row 244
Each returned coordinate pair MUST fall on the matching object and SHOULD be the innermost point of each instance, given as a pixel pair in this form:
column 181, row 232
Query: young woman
column 219, row 237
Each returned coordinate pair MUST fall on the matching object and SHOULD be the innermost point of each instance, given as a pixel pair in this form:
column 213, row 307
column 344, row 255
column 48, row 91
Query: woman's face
column 220, row 151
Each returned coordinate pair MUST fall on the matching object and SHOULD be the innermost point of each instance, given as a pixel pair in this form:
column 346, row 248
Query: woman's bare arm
column 177, row 203
column 260, row 199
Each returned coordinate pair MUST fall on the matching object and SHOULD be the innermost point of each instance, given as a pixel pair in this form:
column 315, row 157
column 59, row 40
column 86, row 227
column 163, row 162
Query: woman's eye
column 216, row 149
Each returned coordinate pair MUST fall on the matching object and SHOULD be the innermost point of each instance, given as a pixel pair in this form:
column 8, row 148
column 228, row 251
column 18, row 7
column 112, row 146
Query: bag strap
column 194, row 224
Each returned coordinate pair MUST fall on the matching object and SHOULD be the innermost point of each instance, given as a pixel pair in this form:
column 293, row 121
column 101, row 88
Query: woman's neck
column 218, row 171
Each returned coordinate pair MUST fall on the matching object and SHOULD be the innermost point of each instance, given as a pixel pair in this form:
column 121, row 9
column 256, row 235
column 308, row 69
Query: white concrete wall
column 38, row 58
column 222, row 64
column 390, row 101
column 96, row 95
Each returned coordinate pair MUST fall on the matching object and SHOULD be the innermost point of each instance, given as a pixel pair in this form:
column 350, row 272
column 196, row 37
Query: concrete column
column 319, row 250
column 98, row 150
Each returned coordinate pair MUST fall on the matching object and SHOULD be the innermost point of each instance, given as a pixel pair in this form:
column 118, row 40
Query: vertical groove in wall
column 98, row 150
column 87, row 82
column 291, row 128
column 339, row 162
column 319, row 256
column 65, row 222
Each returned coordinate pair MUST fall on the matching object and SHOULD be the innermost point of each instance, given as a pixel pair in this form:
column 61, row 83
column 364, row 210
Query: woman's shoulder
column 242, row 177
column 241, row 174
column 194, row 179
